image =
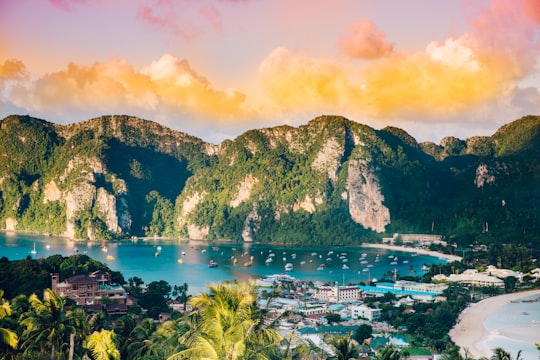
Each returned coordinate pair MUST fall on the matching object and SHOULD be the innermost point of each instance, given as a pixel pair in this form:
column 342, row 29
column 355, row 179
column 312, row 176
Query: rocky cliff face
column 365, row 198
column 331, row 180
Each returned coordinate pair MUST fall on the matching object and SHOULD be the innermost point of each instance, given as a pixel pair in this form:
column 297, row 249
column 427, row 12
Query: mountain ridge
column 330, row 181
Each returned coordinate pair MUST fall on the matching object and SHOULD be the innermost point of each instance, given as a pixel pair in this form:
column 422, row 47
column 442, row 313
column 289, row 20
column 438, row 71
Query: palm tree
column 102, row 345
column 227, row 324
column 344, row 348
column 7, row 337
column 501, row 354
column 388, row 352
column 47, row 328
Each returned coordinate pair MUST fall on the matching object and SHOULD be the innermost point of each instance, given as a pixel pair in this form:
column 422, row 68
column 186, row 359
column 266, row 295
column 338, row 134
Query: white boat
column 289, row 267
column 33, row 251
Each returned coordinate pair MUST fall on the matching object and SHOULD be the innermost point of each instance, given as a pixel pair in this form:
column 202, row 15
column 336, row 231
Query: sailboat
column 33, row 251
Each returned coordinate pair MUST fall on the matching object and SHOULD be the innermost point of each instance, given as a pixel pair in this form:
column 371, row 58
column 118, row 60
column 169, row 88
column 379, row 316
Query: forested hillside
column 331, row 181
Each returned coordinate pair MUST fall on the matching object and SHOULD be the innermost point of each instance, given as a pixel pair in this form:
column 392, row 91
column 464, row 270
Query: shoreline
column 471, row 335
column 448, row 257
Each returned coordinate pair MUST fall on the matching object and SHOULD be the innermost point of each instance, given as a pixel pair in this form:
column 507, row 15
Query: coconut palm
column 388, row 352
column 46, row 325
column 227, row 324
column 7, row 337
column 344, row 348
column 102, row 345
column 501, row 354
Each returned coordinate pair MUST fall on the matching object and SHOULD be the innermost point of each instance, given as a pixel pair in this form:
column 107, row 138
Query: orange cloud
column 440, row 82
column 167, row 86
column 12, row 69
column 297, row 82
column 365, row 40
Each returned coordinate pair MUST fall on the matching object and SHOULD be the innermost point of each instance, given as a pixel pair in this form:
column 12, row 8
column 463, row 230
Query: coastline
column 470, row 332
column 448, row 257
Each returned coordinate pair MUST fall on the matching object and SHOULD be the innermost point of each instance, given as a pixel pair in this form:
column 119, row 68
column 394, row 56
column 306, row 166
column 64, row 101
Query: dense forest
column 332, row 181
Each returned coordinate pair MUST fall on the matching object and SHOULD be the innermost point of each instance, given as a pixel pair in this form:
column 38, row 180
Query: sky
column 216, row 68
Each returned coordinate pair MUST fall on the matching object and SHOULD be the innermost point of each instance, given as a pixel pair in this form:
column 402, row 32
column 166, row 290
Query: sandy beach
column 450, row 258
column 470, row 333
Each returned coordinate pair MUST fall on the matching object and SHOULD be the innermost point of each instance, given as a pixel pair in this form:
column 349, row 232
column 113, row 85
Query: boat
column 212, row 264
column 289, row 267
column 33, row 251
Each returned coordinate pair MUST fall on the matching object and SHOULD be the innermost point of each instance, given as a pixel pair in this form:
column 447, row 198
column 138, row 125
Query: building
column 337, row 293
column 94, row 292
column 362, row 311
column 420, row 239
column 472, row 277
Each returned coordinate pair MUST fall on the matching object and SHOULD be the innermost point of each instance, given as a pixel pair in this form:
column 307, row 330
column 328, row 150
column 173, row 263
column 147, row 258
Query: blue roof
column 381, row 290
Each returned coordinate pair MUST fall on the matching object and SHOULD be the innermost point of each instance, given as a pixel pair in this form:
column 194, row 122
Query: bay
column 184, row 261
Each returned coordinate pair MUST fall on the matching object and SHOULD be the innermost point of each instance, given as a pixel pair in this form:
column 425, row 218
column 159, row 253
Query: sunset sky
column 215, row 68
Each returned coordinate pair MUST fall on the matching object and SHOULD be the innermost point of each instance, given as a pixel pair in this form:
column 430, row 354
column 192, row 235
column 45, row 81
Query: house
column 94, row 292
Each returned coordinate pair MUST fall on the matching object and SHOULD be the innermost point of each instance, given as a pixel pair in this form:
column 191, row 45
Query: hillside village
column 310, row 311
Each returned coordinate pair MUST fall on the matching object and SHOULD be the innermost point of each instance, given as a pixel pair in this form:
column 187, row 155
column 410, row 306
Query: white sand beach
column 448, row 257
column 471, row 334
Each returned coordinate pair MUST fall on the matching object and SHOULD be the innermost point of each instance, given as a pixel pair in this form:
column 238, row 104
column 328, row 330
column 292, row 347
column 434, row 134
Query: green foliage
column 296, row 181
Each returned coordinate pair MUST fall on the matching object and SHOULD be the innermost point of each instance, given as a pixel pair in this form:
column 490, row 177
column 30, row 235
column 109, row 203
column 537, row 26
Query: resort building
column 420, row 239
column 471, row 277
column 94, row 292
column 417, row 291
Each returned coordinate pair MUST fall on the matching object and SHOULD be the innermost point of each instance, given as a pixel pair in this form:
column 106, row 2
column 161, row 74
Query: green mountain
column 332, row 181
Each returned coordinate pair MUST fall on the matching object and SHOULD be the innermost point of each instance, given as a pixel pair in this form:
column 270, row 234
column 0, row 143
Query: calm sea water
column 519, row 318
column 179, row 262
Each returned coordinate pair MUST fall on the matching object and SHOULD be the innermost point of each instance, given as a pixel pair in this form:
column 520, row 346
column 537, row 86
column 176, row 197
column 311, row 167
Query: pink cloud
column 532, row 10
column 67, row 5
column 365, row 40
column 187, row 19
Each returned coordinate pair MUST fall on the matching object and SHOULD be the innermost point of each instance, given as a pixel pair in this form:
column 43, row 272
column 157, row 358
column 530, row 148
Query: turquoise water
column 509, row 325
column 138, row 258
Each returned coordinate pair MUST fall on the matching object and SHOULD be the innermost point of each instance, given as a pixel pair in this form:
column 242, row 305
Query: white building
column 471, row 277
column 337, row 293
column 417, row 286
column 364, row 312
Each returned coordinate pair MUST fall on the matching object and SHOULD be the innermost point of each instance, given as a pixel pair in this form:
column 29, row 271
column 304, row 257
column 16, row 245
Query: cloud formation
column 167, row 86
column 441, row 82
column 184, row 18
column 365, row 41
column 12, row 69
